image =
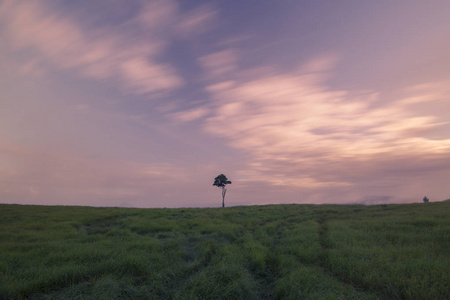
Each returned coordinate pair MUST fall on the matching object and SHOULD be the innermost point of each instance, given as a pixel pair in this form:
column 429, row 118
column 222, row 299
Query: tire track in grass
column 265, row 271
column 271, row 278
column 322, row 232
column 272, row 268
column 324, row 259
column 325, row 263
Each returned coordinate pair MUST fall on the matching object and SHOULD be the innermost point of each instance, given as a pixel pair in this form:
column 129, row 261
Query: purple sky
column 143, row 103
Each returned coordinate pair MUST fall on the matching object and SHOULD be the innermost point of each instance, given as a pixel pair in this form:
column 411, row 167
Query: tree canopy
column 221, row 180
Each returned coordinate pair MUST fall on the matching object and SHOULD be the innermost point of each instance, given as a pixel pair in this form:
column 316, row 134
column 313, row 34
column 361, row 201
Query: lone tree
column 425, row 199
column 221, row 181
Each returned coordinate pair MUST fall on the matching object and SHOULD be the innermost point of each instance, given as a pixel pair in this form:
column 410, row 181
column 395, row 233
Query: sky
column 139, row 103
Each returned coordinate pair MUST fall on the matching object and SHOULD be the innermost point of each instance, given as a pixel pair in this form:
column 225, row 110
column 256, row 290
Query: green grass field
column 254, row 252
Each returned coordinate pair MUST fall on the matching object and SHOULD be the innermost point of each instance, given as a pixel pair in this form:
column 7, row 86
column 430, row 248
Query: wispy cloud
column 129, row 53
column 298, row 132
column 198, row 20
column 190, row 115
column 219, row 64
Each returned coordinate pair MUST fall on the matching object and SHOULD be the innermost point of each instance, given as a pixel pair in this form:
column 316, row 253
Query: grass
column 255, row 252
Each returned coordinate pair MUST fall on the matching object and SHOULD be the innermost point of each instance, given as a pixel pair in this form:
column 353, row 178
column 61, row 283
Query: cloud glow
column 295, row 118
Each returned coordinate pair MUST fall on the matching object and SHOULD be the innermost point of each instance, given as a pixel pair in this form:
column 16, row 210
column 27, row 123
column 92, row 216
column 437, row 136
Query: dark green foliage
column 221, row 181
column 255, row 252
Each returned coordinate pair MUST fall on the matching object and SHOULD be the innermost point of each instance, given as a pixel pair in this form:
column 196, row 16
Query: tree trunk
column 224, row 191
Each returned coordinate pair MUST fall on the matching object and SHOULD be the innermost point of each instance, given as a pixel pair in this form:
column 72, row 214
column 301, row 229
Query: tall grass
column 255, row 252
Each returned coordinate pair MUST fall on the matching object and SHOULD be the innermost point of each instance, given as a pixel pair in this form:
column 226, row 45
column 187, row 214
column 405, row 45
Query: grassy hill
column 255, row 252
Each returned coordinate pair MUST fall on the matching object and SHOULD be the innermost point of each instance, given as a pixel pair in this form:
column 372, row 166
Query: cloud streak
column 130, row 54
column 297, row 132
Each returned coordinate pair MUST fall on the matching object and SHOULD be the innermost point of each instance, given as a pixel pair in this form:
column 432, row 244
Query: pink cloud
column 196, row 21
column 298, row 133
column 284, row 114
column 157, row 14
column 143, row 77
column 100, row 53
column 219, row 64
column 190, row 115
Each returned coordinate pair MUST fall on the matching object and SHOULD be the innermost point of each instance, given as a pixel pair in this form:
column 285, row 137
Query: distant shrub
column 425, row 199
